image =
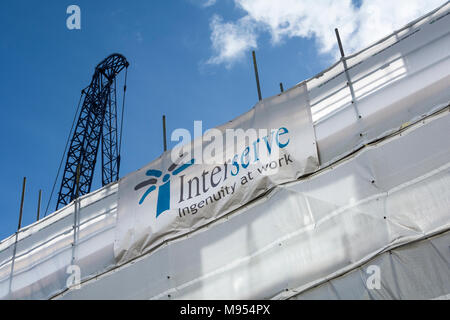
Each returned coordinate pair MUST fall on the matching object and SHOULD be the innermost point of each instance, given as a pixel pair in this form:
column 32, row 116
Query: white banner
column 217, row 173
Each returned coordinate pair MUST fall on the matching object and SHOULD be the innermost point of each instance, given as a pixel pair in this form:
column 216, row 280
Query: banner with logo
column 229, row 166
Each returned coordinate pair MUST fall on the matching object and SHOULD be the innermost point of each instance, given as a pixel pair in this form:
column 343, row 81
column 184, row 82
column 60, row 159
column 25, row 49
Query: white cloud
column 209, row 3
column 230, row 41
column 285, row 19
column 379, row 18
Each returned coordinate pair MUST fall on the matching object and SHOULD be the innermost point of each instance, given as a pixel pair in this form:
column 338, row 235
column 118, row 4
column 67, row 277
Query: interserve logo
column 211, row 182
column 163, row 202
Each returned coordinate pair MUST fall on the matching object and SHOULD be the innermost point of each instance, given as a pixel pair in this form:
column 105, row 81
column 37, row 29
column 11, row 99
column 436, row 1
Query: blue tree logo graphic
column 163, row 203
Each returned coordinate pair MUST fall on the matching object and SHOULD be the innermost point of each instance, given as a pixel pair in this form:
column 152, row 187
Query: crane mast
column 97, row 123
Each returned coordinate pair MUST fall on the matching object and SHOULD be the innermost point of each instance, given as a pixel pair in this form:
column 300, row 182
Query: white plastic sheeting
column 42, row 252
column 306, row 232
column 301, row 234
column 416, row 271
column 396, row 80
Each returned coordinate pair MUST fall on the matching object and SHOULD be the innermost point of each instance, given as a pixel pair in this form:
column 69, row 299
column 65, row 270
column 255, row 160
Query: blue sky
column 190, row 60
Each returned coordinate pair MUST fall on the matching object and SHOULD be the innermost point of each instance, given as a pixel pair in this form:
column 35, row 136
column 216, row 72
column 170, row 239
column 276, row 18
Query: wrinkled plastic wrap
column 387, row 196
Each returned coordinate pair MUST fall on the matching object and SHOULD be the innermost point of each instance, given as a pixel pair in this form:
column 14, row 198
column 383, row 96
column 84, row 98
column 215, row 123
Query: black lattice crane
column 97, row 123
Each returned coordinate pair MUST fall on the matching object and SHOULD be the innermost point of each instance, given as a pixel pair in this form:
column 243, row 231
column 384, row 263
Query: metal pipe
column 257, row 76
column 347, row 74
column 164, row 133
column 21, row 203
column 39, row 205
column 77, row 181
column 341, row 48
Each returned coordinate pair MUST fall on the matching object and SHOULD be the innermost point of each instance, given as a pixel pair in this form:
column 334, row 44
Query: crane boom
column 97, row 122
